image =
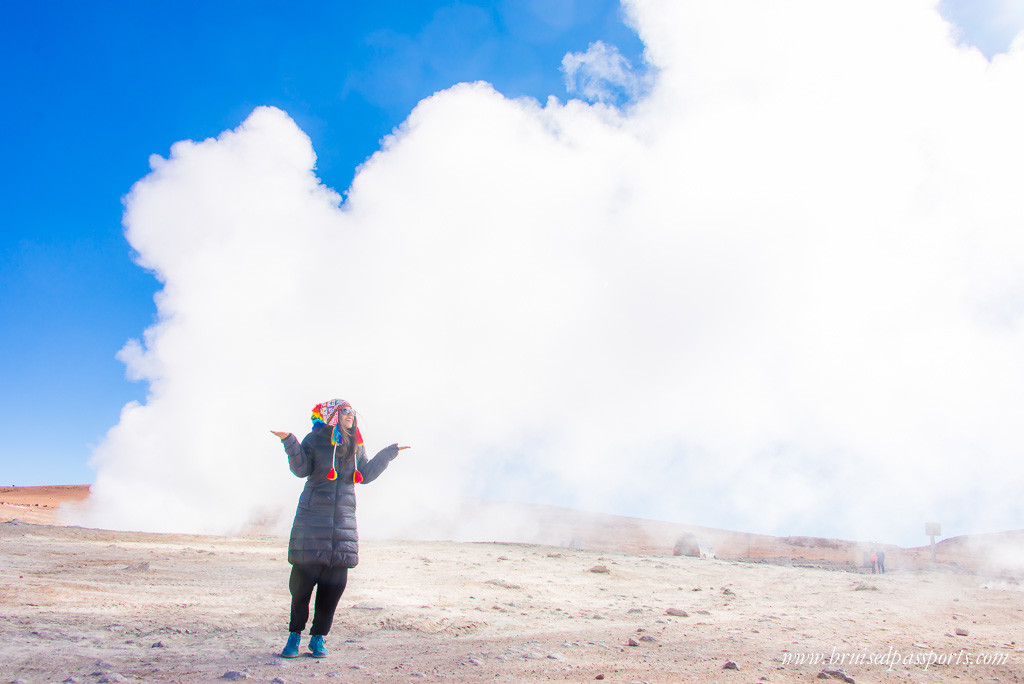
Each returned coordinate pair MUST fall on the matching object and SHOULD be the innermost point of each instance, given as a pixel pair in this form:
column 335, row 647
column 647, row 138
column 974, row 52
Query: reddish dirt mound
column 38, row 504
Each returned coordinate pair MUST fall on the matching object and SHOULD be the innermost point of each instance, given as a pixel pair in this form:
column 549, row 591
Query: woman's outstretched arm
column 372, row 468
column 300, row 462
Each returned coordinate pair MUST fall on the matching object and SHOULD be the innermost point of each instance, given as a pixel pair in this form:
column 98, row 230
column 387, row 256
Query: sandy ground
column 92, row 606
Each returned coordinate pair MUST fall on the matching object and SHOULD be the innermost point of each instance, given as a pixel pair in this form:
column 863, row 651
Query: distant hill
column 1000, row 553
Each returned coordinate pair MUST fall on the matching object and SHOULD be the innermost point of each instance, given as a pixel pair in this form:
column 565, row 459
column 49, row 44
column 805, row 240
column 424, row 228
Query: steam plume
column 781, row 292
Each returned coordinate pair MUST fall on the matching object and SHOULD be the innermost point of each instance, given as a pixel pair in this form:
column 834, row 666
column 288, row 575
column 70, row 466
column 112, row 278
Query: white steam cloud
column 602, row 74
column 782, row 292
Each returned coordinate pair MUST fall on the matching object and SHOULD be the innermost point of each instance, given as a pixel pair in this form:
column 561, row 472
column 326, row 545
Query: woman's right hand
column 281, row 435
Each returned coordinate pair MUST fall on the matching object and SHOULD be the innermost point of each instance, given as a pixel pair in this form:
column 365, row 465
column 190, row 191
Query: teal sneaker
column 316, row 647
column 291, row 649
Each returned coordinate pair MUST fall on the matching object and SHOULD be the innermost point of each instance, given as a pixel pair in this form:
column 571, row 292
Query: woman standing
column 324, row 542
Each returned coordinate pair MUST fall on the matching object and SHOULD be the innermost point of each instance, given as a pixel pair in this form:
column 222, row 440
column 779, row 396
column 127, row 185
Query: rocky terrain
column 83, row 605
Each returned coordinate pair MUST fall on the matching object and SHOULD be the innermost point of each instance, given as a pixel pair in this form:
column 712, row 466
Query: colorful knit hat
column 329, row 413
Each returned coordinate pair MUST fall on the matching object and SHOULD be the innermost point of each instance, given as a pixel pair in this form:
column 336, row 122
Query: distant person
column 880, row 559
column 324, row 542
column 874, row 562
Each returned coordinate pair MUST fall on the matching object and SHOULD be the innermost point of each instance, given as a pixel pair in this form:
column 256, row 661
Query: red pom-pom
column 357, row 477
column 331, row 475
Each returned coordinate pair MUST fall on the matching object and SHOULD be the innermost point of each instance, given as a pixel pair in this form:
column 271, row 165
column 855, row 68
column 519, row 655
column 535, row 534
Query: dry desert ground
column 87, row 605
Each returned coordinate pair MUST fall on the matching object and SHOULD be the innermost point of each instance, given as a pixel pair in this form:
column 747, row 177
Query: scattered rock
column 600, row 676
column 70, row 680
column 835, row 674
column 138, row 567
column 728, row 592
column 687, row 545
column 503, row 583
column 473, row 661
column 600, row 569
column 647, row 637
column 158, row 644
column 865, row 587
column 277, row 680
column 632, row 642
column 730, row 665
column 368, row 606
column 678, row 612
column 555, row 656
column 634, row 610
column 960, row 631
column 233, row 675
column 110, row 678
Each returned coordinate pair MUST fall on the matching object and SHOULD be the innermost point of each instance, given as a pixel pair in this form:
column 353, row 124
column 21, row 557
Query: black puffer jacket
column 324, row 531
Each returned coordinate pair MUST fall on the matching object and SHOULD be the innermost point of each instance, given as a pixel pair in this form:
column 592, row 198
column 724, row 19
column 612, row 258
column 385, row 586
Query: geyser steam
column 781, row 292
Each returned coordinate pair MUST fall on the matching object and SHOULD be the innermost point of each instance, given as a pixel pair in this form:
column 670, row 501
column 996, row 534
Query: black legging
column 330, row 584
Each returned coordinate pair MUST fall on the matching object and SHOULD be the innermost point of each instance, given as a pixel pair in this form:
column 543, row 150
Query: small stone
column 503, row 584
column 233, row 675
column 600, row 676
column 473, row 661
column 600, row 569
column 277, row 680
column 677, row 612
column 138, row 567
column 70, row 680
column 158, row 644
column 836, row 674
column 648, row 638
column 729, row 665
column 728, row 592
column 632, row 642
column 960, row 631
column 111, row 678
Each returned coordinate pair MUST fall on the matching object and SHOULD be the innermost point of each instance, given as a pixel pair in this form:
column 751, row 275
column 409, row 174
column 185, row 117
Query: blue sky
column 96, row 88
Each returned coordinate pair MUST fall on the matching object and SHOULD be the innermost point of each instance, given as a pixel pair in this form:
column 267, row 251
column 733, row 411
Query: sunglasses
column 346, row 410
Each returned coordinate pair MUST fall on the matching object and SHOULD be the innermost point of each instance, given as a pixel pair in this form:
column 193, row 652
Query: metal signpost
column 933, row 530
